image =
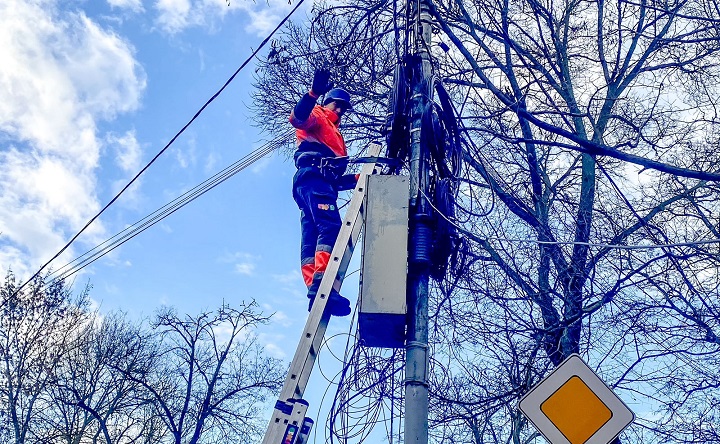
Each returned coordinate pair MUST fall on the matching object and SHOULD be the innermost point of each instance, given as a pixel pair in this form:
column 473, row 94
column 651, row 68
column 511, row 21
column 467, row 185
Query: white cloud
column 187, row 157
column 223, row 332
column 132, row 197
column 246, row 268
column 58, row 79
column 279, row 317
column 264, row 16
column 201, row 56
column 244, row 263
column 128, row 156
column 127, row 151
column 261, row 165
column 12, row 258
column 133, row 5
column 274, row 351
column 291, row 277
column 263, row 21
column 211, row 162
column 175, row 16
column 271, row 341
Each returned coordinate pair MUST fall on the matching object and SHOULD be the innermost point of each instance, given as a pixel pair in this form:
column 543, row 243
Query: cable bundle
column 369, row 393
column 397, row 126
column 440, row 138
column 166, row 210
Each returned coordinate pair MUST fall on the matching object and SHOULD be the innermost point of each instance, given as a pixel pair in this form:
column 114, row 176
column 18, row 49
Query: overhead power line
column 182, row 130
column 166, row 210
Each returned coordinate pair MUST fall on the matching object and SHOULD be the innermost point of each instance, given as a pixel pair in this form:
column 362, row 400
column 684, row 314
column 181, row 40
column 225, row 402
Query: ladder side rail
column 318, row 338
column 303, row 360
column 350, row 248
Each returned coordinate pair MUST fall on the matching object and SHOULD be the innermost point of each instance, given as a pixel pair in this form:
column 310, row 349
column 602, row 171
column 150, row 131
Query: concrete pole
column 416, row 367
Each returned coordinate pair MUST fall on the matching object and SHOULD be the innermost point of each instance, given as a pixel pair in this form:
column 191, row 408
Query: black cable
column 469, row 143
column 367, row 382
column 439, row 136
column 397, row 32
column 397, row 124
column 406, row 44
column 449, row 118
column 182, row 130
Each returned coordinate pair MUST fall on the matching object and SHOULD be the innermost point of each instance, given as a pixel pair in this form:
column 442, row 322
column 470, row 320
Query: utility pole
column 416, row 349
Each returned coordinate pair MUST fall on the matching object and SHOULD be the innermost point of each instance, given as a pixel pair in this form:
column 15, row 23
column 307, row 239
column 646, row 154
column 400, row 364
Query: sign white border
column 530, row 404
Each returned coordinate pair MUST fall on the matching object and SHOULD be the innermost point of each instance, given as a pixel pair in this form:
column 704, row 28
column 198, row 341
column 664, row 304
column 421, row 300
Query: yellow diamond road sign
column 572, row 405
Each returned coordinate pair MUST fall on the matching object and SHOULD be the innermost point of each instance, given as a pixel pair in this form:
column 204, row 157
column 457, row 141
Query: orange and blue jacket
column 318, row 137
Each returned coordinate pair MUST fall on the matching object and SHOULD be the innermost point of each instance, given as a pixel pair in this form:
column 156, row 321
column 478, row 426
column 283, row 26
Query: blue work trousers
column 319, row 218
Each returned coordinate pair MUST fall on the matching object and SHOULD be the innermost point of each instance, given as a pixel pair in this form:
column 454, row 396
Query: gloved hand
column 321, row 82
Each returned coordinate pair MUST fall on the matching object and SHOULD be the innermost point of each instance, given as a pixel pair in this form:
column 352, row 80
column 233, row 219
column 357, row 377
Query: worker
column 320, row 175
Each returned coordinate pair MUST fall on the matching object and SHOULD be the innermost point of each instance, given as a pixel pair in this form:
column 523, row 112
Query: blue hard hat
column 337, row 95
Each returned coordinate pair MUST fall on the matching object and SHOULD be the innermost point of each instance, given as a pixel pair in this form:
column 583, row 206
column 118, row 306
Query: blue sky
column 90, row 92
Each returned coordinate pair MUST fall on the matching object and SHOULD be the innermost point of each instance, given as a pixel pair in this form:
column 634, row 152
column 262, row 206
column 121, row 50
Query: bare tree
column 38, row 330
column 209, row 378
column 70, row 375
column 93, row 395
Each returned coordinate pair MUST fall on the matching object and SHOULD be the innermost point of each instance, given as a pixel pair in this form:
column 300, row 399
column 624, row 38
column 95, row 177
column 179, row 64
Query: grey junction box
column 383, row 306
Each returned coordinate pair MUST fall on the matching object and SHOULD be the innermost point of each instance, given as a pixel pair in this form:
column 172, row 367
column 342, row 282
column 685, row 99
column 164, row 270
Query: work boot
column 337, row 304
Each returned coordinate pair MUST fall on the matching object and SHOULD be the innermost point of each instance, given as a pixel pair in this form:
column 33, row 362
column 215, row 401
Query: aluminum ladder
column 289, row 424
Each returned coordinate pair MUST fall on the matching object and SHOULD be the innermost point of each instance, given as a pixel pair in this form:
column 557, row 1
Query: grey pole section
column 416, row 366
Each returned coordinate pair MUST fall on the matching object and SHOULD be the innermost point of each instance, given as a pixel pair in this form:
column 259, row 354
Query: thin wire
column 182, row 130
column 615, row 246
column 196, row 191
column 166, row 210
column 644, row 223
column 362, row 392
column 587, row 244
